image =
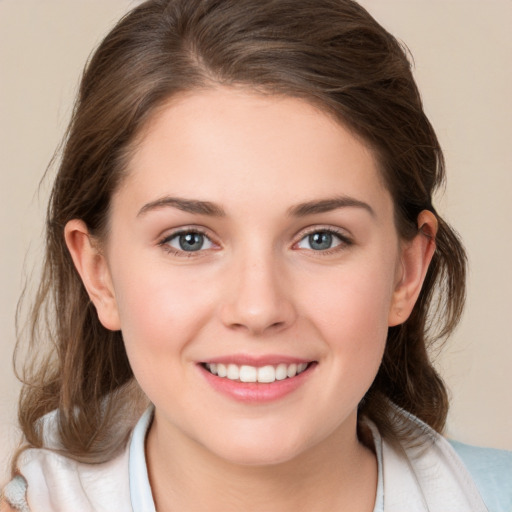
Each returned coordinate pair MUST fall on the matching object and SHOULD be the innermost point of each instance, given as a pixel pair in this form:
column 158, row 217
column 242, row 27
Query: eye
column 322, row 240
column 188, row 241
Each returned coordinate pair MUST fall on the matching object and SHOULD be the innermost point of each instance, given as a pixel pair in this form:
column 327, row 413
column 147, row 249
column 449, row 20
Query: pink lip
column 256, row 392
column 258, row 361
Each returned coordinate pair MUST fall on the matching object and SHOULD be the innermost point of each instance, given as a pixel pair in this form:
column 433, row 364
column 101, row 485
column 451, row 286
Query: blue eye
column 188, row 241
column 321, row 240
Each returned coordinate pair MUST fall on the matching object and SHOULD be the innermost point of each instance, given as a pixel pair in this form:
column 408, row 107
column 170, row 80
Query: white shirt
column 427, row 476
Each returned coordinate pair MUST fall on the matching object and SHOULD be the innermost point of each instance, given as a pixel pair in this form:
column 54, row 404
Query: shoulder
column 448, row 475
column 49, row 481
column 491, row 470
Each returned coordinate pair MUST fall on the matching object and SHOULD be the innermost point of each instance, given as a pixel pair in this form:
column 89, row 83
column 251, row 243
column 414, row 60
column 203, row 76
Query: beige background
column 462, row 50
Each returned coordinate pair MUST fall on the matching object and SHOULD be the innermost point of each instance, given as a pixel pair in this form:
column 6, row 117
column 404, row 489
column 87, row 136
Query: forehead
column 231, row 145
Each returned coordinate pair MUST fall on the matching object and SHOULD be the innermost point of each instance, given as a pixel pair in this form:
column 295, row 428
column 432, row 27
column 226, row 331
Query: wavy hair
column 330, row 53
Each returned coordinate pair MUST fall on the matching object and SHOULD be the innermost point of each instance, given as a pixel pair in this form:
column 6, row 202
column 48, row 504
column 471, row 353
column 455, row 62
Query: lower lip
column 257, row 392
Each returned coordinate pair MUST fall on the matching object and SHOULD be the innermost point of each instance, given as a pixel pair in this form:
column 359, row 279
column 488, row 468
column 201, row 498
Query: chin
column 260, row 449
column 258, row 456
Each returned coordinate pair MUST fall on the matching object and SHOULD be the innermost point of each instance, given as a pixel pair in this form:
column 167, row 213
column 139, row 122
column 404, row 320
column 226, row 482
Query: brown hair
column 331, row 53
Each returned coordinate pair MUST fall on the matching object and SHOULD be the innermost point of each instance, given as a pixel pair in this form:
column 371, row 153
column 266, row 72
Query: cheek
column 351, row 312
column 160, row 317
column 355, row 300
column 160, row 310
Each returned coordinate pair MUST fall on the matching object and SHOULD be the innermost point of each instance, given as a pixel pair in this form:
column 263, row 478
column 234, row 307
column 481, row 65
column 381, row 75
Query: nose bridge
column 258, row 300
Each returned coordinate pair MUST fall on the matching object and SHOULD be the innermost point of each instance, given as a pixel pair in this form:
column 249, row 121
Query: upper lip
column 257, row 361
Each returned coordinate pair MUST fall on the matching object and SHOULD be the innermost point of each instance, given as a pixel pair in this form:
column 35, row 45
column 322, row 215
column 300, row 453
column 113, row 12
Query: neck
column 337, row 474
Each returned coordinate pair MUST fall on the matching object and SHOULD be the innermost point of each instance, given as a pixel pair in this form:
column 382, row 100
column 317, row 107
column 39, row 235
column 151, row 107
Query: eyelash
column 164, row 243
column 344, row 241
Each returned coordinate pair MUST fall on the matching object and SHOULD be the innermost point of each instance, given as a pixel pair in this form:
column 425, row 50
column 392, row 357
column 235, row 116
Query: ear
column 415, row 259
column 93, row 269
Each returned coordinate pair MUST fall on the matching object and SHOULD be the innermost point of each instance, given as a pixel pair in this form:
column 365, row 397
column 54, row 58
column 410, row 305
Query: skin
column 4, row 507
column 257, row 287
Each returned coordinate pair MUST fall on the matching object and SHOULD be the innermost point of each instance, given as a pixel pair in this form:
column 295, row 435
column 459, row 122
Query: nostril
column 238, row 327
column 252, row 310
column 258, row 328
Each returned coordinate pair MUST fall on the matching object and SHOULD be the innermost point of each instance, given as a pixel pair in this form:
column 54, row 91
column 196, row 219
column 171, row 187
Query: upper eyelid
column 169, row 234
column 342, row 233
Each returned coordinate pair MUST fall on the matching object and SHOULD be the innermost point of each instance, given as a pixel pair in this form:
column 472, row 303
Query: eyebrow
column 186, row 205
column 211, row 209
column 327, row 205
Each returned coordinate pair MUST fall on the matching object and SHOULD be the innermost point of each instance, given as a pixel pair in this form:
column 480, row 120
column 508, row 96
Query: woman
column 242, row 231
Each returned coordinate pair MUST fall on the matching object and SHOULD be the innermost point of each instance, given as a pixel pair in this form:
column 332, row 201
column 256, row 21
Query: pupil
column 320, row 241
column 191, row 241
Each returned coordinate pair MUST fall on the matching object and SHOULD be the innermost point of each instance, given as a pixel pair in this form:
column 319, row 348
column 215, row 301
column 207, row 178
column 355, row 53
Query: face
column 254, row 265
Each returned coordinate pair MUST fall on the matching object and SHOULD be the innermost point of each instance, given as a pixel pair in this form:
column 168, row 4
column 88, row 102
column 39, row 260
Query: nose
column 258, row 297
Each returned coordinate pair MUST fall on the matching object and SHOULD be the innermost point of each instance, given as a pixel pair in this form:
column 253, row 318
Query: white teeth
column 222, row 371
column 233, row 372
column 248, row 374
column 281, row 371
column 292, row 371
column 266, row 374
column 263, row 374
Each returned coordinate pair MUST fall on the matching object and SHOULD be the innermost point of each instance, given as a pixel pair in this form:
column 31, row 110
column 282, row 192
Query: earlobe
column 415, row 259
column 92, row 267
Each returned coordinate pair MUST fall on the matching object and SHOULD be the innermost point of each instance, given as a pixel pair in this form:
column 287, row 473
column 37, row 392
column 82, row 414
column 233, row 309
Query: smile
column 264, row 374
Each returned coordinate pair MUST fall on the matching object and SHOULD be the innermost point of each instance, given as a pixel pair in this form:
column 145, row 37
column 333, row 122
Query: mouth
column 257, row 380
column 256, row 374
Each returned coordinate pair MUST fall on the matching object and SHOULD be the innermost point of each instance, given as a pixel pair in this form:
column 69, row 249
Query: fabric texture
column 15, row 493
column 491, row 470
column 429, row 475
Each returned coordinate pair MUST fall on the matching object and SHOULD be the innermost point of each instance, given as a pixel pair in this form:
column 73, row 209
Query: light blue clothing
column 492, row 472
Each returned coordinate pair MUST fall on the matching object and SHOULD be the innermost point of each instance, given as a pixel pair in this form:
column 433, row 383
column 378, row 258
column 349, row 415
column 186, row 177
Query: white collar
column 425, row 476
column 140, row 490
